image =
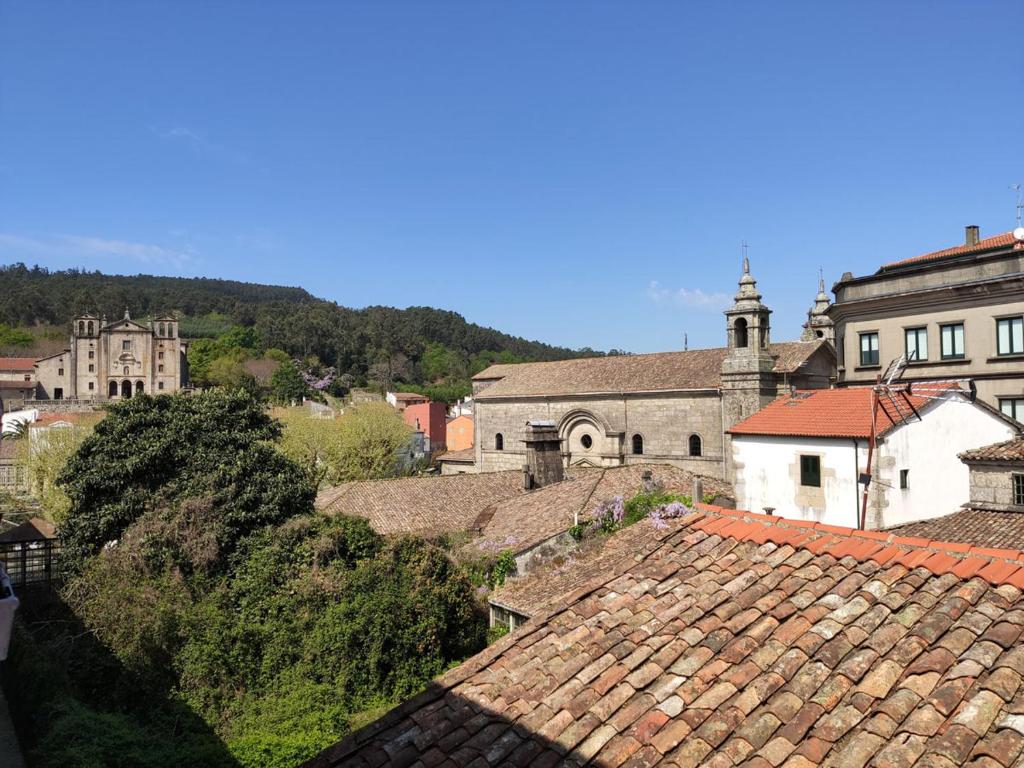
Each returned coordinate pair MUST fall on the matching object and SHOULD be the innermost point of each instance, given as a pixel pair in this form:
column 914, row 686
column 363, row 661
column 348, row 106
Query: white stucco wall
column 768, row 469
column 768, row 475
column 939, row 482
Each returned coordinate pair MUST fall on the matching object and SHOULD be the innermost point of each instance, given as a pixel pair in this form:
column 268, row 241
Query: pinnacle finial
column 821, row 280
column 126, row 315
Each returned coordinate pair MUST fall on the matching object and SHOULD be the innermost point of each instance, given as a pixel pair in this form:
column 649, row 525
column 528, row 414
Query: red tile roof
column 741, row 639
column 26, row 364
column 986, row 244
column 828, row 413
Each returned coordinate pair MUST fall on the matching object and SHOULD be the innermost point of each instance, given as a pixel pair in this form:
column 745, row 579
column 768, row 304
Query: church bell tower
column 748, row 378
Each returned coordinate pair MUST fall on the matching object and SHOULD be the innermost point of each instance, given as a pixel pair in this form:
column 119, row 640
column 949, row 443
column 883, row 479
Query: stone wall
column 992, row 486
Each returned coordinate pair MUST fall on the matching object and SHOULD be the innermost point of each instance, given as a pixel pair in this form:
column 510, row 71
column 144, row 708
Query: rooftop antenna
column 686, row 342
column 1018, row 232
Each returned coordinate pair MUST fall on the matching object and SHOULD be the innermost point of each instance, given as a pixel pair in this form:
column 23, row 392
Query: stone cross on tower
column 819, row 325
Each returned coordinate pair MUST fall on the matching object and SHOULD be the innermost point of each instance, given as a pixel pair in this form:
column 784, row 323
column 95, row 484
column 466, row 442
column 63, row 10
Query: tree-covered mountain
column 418, row 345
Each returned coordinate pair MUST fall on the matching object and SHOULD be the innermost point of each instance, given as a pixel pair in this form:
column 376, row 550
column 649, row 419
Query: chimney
column 543, row 454
column 698, row 491
column 971, row 234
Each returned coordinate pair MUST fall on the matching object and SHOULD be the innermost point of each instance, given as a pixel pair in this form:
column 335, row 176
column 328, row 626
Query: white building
column 803, row 455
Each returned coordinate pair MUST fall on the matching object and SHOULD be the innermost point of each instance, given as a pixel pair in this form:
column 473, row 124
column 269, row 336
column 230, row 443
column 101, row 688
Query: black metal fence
column 30, row 563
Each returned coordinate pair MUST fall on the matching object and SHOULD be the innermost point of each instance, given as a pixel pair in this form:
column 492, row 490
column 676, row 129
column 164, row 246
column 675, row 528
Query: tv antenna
column 1018, row 232
column 893, row 398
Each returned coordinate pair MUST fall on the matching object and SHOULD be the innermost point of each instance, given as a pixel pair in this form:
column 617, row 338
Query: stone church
column 671, row 407
column 115, row 360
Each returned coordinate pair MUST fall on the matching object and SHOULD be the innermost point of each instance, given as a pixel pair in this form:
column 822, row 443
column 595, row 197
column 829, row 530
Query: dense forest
column 415, row 346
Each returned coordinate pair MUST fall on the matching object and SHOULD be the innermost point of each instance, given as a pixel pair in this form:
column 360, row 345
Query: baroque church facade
column 115, row 360
column 669, row 407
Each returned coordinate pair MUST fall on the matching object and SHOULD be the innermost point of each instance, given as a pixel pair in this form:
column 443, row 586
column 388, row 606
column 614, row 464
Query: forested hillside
column 418, row 345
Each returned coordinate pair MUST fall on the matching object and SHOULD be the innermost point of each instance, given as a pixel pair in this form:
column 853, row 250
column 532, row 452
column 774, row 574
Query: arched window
column 81, row 328
column 139, row 388
column 126, row 389
column 112, row 389
column 499, row 442
column 695, row 445
column 638, row 444
column 740, row 331
column 91, row 327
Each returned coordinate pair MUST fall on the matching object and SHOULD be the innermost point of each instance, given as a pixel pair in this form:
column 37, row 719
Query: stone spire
column 126, row 315
column 819, row 325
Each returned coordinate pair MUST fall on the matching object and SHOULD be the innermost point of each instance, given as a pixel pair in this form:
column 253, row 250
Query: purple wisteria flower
column 659, row 515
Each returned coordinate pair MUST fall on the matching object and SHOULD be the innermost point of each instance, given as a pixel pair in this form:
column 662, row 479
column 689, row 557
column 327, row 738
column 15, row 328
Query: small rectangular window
column 159, row 385
column 1012, row 407
column 869, row 348
column 60, row 371
column 1010, row 335
column 160, row 356
column 92, row 386
column 126, row 345
column 92, row 368
column 810, row 471
column 917, row 344
column 159, row 369
column 952, row 341
column 92, row 354
column 1018, row 490
column 904, row 479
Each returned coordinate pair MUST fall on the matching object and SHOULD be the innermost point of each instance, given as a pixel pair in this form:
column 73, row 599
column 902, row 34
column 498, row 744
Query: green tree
column 45, row 458
column 216, row 445
column 370, row 436
column 287, row 385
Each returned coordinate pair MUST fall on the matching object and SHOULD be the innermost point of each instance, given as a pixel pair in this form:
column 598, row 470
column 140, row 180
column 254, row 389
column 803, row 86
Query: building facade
column 669, row 407
column 804, row 456
column 113, row 361
column 955, row 313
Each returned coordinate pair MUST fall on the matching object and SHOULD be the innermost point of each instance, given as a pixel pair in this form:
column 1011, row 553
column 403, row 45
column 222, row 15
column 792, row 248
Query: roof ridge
column 995, row 565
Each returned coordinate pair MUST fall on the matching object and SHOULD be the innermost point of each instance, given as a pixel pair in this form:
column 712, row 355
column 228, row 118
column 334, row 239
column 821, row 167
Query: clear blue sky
column 577, row 172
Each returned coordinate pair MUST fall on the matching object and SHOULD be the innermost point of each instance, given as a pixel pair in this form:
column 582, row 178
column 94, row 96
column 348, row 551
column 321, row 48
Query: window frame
column 690, row 444
column 918, row 331
column 126, row 345
column 954, row 355
column 1012, row 319
column 1016, row 406
column 807, row 475
column 904, row 479
column 1017, row 488
column 638, row 439
column 499, row 441
column 861, row 337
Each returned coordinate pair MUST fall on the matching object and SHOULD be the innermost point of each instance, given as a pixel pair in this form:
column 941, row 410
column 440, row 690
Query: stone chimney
column 543, row 454
column 971, row 234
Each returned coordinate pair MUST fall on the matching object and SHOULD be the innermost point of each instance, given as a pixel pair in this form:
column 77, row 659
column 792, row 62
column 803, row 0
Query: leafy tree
column 44, row 461
column 370, row 436
column 166, row 449
column 287, row 385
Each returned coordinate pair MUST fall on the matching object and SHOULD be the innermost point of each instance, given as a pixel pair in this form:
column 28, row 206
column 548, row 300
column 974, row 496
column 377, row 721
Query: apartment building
column 955, row 313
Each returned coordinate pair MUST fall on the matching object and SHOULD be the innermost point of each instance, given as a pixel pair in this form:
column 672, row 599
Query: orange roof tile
column 828, row 413
column 985, row 244
column 17, row 363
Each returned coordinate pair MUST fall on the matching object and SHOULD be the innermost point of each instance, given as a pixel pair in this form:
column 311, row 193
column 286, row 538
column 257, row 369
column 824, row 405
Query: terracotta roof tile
column 1011, row 450
column 23, row 364
column 459, row 457
column 981, row 528
column 842, row 412
column 674, row 657
column 661, row 371
column 1004, row 240
column 426, row 505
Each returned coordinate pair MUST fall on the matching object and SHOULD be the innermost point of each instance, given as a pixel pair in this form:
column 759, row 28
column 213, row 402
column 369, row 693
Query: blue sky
column 577, row 172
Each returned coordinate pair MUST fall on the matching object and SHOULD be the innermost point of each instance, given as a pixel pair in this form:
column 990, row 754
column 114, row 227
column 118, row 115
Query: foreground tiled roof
column 829, row 413
column 426, row 505
column 986, row 244
column 980, row 527
column 742, row 640
column 524, row 521
column 25, row 364
column 1011, row 450
column 662, row 371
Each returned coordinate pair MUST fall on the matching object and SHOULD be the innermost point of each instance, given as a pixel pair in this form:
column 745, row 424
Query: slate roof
column 842, row 412
column 745, row 640
column 522, row 522
column 985, row 244
column 1010, row 450
column 426, row 505
column 980, row 527
column 661, row 371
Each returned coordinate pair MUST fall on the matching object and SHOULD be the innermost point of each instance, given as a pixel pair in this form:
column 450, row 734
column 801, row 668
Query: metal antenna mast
column 1020, row 202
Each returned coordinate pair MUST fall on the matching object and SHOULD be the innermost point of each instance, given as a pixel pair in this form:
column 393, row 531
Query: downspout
column 856, row 477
